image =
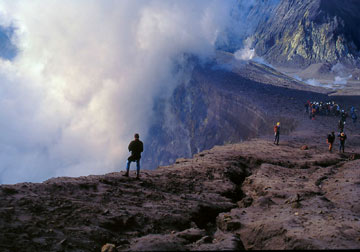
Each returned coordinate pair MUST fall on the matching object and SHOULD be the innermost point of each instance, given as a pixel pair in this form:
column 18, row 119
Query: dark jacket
column 331, row 138
column 136, row 147
column 277, row 130
column 342, row 138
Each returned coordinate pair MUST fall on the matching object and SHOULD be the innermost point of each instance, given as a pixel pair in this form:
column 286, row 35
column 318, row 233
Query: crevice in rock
column 327, row 163
column 205, row 217
column 236, row 172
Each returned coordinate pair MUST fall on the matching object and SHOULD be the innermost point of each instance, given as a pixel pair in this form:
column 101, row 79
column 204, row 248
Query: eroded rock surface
column 250, row 195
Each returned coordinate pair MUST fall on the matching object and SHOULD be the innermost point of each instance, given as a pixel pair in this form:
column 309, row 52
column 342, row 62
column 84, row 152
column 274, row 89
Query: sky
column 86, row 74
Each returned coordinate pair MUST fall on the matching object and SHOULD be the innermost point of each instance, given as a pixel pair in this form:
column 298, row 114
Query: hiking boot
column 126, row 175
column 137, row 176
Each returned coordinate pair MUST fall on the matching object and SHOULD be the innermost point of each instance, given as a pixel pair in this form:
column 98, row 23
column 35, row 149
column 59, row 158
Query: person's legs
column 137, row 168
column 128, row 162
column 342, row 147
column 277, row 138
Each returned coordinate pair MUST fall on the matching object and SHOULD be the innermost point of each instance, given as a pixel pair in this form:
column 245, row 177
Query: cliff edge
column 249, row 195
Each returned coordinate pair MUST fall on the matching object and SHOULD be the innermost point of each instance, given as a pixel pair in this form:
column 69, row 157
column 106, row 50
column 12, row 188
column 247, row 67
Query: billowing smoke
column 342, row 80
column 85, row 76
column 246, row 53
column 342, row 76
column 313, row 82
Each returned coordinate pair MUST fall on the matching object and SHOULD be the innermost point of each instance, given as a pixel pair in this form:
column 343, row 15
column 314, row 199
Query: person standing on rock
column 313, row 112
column 307, row 107
column 353, row 114
column 330, row 140
column 342, row 138
column 341, row 125
column 136, row 147
column 277, row 133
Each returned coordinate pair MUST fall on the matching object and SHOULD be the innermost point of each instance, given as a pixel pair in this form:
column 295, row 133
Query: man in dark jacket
column 136, row 147
column 330, row 140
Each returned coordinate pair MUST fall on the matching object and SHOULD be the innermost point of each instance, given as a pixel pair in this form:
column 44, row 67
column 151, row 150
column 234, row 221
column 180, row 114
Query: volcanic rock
column 310, row 31
column 249, row 195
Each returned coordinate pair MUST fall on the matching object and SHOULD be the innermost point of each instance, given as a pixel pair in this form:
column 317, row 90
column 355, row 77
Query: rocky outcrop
column 249, row 195
column 311, row 31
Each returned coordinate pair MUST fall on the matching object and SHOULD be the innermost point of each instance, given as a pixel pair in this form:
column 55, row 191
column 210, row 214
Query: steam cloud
column 342, row 76
column 85, row 76
column 246, row 53
column 342, row 80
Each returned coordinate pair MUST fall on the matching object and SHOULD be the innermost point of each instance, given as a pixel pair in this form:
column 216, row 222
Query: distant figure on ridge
column 342, row 137
column 136, row 147
column 313, row 112
column 341, row 125
column 307, row 107
column 277, row 133
column 343, row 115
column 330, row 140
column 353, row 114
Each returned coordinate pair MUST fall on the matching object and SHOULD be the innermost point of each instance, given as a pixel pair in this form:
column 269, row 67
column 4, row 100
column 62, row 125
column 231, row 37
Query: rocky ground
column 250, row 195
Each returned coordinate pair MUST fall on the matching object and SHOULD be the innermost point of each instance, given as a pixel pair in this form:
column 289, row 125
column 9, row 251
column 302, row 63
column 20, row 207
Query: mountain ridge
column 304, row 32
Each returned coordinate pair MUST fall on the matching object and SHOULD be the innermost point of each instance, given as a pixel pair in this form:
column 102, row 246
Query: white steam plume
column 85, row 77
column 342, row 80
column 246, row 53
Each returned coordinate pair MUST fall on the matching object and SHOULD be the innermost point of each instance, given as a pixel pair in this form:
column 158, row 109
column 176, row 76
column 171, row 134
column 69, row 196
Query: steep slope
column 310, row 31
column 223, row 103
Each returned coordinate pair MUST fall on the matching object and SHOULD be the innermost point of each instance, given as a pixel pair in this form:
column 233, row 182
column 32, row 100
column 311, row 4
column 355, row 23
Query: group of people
column 325, row 108
column 321, row 108
column 136, row 147
column 332, row 109
column 328, row 109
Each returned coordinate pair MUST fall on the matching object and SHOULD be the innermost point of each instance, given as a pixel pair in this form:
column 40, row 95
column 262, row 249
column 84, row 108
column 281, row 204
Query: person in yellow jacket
column 277, row 133
column 342, row 138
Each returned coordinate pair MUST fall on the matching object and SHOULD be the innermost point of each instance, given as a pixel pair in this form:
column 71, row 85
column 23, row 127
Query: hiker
column 341, row 125
column 343, row 115
column 337, row 111
column 353, row 114
column 136, row 147
column 342, row 137
column 313, row 112
column 310, row 111
column 277, row 133
column 330, row 140
column 307, row 107
column 354, row 117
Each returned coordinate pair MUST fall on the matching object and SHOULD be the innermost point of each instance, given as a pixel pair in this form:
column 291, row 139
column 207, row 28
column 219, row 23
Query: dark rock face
column 219, row 107
column 310, row 31
column 246, row 14
column 201, row 114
